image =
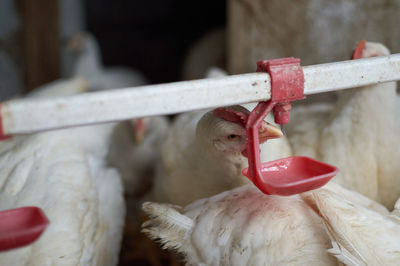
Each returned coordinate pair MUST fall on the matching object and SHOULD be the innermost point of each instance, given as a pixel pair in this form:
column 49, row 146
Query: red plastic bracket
column 287, row 84
column 290, row 175
column 21, row 226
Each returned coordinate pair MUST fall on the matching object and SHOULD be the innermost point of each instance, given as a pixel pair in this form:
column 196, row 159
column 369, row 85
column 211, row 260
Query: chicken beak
column 268, row 131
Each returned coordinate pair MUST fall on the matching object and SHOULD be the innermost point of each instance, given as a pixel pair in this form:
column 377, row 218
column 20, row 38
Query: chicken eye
column 233, row 137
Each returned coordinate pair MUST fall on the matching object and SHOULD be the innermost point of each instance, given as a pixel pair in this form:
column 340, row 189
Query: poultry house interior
column 170, row 189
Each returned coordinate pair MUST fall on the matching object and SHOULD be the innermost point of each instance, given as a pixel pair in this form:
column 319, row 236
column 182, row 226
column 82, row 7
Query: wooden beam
column 41, row 42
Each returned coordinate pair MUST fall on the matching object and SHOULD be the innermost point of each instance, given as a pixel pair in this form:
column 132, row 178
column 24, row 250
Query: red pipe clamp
column 21, row 226
column 295, row 174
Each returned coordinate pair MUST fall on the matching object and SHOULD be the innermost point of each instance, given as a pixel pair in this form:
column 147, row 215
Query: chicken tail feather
column 166, row 225
column 344, row 256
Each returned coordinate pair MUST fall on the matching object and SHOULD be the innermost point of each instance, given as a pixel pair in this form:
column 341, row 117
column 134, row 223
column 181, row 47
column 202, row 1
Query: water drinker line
column 291, row 175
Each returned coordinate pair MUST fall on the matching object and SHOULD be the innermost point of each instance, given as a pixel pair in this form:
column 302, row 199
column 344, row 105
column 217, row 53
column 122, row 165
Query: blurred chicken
column 80, row 195
column 202, row 156
column 64, row 172
column 359, row 235
column 135, row 157
column 88, row 64
column 241, row 227
column 134, row 144
column 357, row 135
column 62, row 87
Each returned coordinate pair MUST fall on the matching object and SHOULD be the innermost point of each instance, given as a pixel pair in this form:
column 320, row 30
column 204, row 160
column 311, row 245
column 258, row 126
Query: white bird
column 62, row 87
column 357, row 135
column 241, row 227
column 88, row 64
column 135, row 156
column 64, row 172
column 202, row 156
column 359, row 235
column 81, row 197
column 134, row 145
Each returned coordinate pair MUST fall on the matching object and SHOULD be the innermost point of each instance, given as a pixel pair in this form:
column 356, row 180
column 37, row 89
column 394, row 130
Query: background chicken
column 62, row 87
column 357, row 134
column 135, row 159
column 88, row 64
column 81, row 197
column 134, row 145
column 65, row 173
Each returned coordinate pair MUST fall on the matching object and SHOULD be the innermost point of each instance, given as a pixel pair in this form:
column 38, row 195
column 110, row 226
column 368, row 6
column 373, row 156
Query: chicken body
column 241, row 227
column 65, row 173
column 135, row 161
column 357, row 134
column 81, row 197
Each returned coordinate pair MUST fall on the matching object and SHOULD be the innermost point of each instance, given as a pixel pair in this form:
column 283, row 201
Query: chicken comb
column 140, row 129
column 358, row 51
column 231, row 115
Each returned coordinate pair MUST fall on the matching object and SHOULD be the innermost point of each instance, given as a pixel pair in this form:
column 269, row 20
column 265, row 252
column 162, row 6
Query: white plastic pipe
column 32, row 115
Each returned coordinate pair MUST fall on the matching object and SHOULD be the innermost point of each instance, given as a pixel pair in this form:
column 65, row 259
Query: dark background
column 152, row 36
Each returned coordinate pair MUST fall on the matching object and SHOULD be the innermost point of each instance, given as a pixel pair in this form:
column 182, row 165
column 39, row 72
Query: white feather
column 244, row 227
column 64, row 173
column 360, row 235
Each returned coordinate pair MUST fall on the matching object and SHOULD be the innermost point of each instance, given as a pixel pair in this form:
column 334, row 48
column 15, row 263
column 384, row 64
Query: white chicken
column 134, row 145
column 135, row 159
column 241, row 227
column 359, row 235
column 58, row 88
column 88, row 64
column 81, row 197
column 357, row 135
column 64, row 172
column 202, row 156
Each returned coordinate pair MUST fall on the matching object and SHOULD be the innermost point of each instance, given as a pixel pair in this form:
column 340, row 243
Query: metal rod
column 32, row 115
